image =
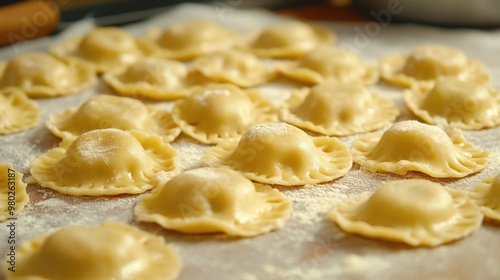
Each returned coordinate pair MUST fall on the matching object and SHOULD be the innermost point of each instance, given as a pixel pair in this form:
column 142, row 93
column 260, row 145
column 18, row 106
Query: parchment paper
column 309, row 246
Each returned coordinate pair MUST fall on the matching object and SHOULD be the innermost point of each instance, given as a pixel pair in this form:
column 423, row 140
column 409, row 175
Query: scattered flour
column 309, row 246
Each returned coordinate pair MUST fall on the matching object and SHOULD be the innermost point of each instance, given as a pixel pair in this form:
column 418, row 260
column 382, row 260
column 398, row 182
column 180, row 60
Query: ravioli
column 333, row 108
column 210, row 200
column 332, row 64
column 417, row 212
column 107, row 111
column 13, row 195
column 486, row 195
column 106, row 47
column 217, row 112
column 111, row 250
column 18, row 113
column 427, row 63
column 290, row 40
column 104, row 162
column 189, row 39
column 281, row 154
column 414, row 146
column 466, row 104
column 41, row 75
column 153, row 78
column 234, row 66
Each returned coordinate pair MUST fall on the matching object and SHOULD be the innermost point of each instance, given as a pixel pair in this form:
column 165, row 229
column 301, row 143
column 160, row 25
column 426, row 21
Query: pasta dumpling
column 233, row 66
column 221, row 111
column 278, row 153
column 104, row 162
column 41, row 75
column 466, row 104
column 486, row 195
column 208, row 200
column 189, row 39
column 106, row 47
column 290, row 40
column 417, row 212
column 110, row 251
column 338, row 109
column 13, row 195
column 414, row 146
column 153, row 78
column 18, row 112
column 427, row 63
column 331, row 64
column 107, row 111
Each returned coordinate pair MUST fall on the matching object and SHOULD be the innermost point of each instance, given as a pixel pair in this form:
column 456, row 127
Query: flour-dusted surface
column 310, row 246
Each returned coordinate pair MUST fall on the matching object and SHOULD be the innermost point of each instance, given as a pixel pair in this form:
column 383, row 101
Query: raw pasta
column 208, row 200
column 107, row 111
column 487, row 196
column 13, row 195
column 153, row 78
column 333, row 108
column 217, row 112
column 110, row 251
column 278, row 153
column 18, row 112
column 234, row 66
column 290, row 40
column 41, row 75
column 414, row 146
column 466, row 104
column 429, row 62
column 106, row 47
column 417, row 212
column 104, row 162
column 332, row 64
column 189, row 39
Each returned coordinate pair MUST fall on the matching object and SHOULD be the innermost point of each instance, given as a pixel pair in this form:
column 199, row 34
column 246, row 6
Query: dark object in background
column 27, row 20
column 119, row 12
column 450, row 13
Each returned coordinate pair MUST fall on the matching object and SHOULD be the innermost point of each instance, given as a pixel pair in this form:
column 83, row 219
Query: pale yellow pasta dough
column 153, row 78
column 43, row 75
column 106, row 47
column 333, row 108
column 332, row 64
column 466, row 104
column 417, row 212
column 487, row 196
column 104, row 162
column 189, row 39
column 429, row 62
column 209, row 200
column 278, row 153
column 234, row 66
column 107, row 111
column 17, row 111
column 217, row 112
column 111, row 250
column 414, row 146
column 290, row 40
column 13, row 195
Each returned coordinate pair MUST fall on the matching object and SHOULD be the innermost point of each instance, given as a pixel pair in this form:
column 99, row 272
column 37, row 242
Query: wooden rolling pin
column 28, row 20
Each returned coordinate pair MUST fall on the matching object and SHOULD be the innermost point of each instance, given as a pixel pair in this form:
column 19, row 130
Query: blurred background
column 54, row 16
